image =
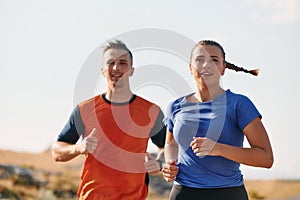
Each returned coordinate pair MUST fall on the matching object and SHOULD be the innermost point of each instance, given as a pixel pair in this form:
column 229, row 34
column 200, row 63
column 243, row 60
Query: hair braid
column 228, row 65
column 241, row 69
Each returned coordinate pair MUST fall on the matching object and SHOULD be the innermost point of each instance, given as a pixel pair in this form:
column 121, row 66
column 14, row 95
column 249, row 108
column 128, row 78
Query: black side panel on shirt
column 158, row 132
column 73, row 129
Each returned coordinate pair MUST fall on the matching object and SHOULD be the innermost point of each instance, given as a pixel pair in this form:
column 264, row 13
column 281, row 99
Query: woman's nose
column 205, row 64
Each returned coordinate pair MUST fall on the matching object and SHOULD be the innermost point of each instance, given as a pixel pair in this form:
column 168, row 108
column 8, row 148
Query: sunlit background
column 43, row 45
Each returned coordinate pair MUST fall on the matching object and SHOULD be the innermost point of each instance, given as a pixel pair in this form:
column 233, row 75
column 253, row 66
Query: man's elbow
column 55, row 156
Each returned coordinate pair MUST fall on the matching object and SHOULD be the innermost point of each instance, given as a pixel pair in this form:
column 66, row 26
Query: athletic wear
column 116, row 168
column 223, row 120
column 180, row 192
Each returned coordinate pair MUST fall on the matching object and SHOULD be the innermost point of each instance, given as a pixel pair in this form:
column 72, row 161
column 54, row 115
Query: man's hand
column 89, row 143
column 63, row 151
column 170, row 171
column 151, row 164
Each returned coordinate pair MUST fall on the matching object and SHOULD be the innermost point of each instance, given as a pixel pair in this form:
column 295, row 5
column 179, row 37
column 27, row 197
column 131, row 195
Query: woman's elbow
column 268, row 162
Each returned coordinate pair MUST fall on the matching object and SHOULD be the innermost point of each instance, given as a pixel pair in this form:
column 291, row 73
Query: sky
column 47, row 45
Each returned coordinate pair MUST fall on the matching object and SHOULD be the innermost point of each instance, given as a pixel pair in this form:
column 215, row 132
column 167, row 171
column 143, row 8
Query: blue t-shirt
column 221, row 119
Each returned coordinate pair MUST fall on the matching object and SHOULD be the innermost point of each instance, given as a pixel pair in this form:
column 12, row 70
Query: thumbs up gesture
column 89, row 143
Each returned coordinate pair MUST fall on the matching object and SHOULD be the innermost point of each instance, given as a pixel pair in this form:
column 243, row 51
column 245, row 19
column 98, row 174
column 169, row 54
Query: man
column 115, row 128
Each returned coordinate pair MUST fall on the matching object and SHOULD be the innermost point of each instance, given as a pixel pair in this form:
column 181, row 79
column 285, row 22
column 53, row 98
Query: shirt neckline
column 118, row 103
column 226, row 92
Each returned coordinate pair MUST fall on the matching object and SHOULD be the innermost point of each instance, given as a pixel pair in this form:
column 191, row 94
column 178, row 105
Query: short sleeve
column 246, row 112
column 158, row 132
column 169, row 118
column 73, row 129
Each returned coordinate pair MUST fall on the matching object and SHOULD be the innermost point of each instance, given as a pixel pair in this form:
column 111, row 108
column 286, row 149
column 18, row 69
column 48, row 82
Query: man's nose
column 116, row 67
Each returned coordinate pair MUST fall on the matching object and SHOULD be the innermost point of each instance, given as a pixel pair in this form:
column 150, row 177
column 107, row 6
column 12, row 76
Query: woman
column 206, row 131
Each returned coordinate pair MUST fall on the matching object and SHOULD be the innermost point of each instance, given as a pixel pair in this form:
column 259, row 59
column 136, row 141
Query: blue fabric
column 222, row 119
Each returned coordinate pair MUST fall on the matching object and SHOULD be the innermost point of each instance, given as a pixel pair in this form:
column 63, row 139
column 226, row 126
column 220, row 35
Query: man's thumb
column 92, row 133
column 148, row 156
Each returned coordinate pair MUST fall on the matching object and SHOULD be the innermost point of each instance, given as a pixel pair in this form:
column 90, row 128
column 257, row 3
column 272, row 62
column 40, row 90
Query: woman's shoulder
column 178, row 102
column 236, row 96
column 238, row 100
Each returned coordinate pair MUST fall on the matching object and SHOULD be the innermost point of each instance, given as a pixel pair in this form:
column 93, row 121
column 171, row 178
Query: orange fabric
column 116, row 169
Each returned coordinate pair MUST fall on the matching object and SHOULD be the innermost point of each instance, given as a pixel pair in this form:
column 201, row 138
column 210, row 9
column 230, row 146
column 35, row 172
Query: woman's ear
column 223, row 70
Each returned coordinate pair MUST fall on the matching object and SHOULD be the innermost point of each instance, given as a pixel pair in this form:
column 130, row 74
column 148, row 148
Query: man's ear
column 102, row 71
column 131, row 71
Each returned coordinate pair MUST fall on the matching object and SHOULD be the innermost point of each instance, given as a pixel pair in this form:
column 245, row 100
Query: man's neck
column 118, row 95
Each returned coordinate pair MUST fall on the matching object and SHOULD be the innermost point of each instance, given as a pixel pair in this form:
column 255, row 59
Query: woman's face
column 207, row 64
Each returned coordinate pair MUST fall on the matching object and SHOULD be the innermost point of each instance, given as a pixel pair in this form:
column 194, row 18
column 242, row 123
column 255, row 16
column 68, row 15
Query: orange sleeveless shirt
column 116, row 169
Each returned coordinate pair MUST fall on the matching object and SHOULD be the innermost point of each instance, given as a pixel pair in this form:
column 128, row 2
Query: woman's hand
column 203, row 146
column 170, row 171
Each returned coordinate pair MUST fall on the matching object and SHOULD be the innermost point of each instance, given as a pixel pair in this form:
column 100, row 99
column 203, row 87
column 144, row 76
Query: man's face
column 117, row 66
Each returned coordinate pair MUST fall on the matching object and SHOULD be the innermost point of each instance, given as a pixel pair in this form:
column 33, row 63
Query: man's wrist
column 161, row 164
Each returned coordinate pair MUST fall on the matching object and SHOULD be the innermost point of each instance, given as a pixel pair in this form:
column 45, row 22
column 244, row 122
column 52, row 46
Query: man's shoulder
column 142, row 101
column 91, row 101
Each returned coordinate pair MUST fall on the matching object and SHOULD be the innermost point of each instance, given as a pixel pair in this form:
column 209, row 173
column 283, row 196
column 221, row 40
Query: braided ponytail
column 241, row 69
column 228, row 65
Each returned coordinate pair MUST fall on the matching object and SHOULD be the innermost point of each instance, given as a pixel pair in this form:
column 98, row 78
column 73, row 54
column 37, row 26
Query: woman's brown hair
column 228, row 64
